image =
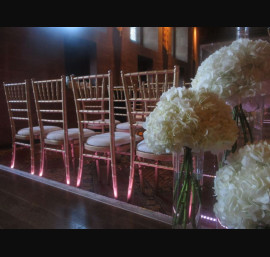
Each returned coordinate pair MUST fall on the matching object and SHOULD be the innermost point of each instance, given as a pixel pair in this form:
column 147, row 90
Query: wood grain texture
column 29, row 204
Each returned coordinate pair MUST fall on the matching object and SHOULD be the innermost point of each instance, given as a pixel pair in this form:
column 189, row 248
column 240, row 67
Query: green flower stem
column 185, row 167
column 179, row 208
column 243, row 125
column 239, row 116
column 189, row 185
column 185, row 204
column 178, row 181
column 236, row 118
column 246, row 123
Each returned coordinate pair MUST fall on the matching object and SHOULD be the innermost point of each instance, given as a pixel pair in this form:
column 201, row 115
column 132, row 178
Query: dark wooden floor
column 30, row 204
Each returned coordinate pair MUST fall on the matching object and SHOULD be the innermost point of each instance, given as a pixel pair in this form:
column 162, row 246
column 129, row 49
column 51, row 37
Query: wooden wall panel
column 39, row 52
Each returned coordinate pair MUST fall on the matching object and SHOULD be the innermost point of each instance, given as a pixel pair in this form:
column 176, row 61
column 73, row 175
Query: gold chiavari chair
column 145, row 89
column 120, row 109
column 121, row 100
column 102, row 124
column 94, row 97
column 19, row 109
column 50, row 101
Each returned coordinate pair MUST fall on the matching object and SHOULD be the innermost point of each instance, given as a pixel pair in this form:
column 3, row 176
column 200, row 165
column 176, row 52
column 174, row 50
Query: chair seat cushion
column 73, row 133
column 36, row 130
column 125, row 125
column 107, row 121
column 142, row 147
column 103, row 140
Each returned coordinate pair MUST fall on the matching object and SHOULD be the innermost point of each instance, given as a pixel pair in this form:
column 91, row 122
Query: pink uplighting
column 190, row 205
column 79, row 177
column 115, row 189
column 129, row 193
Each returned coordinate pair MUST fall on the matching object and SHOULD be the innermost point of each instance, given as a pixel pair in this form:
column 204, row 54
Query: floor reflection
column 160, row 201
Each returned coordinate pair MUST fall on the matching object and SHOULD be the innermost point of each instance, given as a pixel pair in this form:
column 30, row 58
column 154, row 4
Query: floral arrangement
column 235, row 71
column 200, row 120
column 242, row 188
column 189, row 120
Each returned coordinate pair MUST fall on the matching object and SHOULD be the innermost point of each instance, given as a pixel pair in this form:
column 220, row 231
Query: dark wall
column 49, row 52
column 26, row 53
column 43, row 53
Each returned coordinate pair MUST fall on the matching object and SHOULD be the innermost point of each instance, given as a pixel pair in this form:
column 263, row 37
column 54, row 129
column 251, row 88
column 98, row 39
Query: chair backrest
column 50, row 100
column 120, row 110
column 93, row 96
column 144, row 89
column 19, row 109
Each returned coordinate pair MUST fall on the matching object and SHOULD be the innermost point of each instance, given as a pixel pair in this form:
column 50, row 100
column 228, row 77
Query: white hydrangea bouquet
column 193, row 121
column 242, row 188
column 235, row 72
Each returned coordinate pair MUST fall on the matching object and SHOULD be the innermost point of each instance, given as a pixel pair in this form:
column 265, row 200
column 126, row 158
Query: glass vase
column 254, row 109
column 187, row 183
column 220, row 160
column 242, row 32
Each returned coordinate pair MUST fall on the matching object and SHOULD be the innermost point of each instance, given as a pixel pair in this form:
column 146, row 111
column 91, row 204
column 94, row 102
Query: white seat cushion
column 36, row 130
column 103, row 140
column 73, row 133
column 125, row 125
column 142, row 147
column 107, row 121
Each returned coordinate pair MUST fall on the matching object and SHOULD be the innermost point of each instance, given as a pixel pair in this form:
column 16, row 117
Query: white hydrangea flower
column 242, row 188
column 199, row 120
column 236, row 71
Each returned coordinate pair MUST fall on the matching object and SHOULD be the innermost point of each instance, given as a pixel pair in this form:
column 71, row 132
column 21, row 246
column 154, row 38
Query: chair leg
column 131, row 179
column 80, row 166
column 114, row 179
column 32, row 152
column 97, row 166
column 13, row 155
column 63, row 154
column 141, row 176
column 72, row 156
column 156, row 177
column 108, row 170
column 45, row 160
column 66, row 161
column 79, row 176
column 42, row 157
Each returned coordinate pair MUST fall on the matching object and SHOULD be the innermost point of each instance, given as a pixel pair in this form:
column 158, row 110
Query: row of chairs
column 109, row 120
